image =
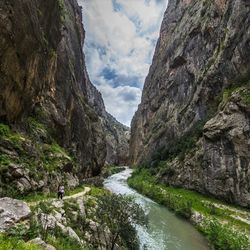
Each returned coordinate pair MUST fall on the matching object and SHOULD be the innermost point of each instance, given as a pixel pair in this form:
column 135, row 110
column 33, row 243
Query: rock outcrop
column 117, row 135
column 11, row 212
column 43, row 96
column 42, row 76
column 51, row 124
column 202, row 55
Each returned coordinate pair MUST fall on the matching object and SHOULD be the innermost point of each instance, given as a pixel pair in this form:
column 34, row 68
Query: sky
column 119, row 44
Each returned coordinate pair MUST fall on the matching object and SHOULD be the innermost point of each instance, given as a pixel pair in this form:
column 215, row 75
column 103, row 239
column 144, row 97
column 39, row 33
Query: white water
column 165, row 230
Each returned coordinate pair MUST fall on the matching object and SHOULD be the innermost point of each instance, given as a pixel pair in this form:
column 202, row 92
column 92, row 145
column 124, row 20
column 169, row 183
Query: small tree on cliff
column 120, row 214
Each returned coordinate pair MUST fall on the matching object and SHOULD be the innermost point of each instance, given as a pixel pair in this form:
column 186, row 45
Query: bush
column 9, row 243
column 62, row 242
column 117, row 213
column 4, row 130
column 180, row 146
column 223, row 237
column 183, row 202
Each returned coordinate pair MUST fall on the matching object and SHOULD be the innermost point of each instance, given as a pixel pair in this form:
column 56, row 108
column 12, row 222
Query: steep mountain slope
column 193, row 124
column 116, row 134
column 49, row 131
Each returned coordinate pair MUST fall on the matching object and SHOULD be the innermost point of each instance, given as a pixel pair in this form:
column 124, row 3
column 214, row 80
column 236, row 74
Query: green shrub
column 183, row 202
column 7, row 134
column 96, row 192
column 4, row 130
column 12, row 243
column 117, row 212
column 180, row 146
column 65, row 243
column 45, row 207
column 19, row 231
column 4, row 161
column 37, row 129
column 224, row 237
column 229, row 91
column 246, row 97
column 62, row 10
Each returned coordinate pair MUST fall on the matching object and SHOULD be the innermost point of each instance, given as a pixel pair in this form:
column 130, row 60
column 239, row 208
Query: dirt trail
column 73, row 196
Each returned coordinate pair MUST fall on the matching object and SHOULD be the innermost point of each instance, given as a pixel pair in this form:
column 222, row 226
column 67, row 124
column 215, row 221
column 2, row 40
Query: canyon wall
column 117, row 135
column 50, row 133
column 192, row 127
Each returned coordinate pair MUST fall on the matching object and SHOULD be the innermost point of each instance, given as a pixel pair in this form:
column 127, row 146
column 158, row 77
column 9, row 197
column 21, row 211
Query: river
column 165, row 230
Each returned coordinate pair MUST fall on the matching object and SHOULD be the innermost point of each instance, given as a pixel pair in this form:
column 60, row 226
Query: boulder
column 11, row 212
column 41, row 243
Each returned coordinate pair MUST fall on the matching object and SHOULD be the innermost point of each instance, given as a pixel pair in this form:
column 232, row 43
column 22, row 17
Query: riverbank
column 44, row 222
column 86, row 218
column 164, row 229
column 225, row 226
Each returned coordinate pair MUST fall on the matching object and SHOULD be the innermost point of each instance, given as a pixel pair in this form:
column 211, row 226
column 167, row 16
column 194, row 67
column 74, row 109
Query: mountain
column 116, row 134
column 50, row 133
column 193, row 124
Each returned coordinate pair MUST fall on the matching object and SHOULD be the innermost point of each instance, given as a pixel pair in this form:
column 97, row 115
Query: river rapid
column 165, row 230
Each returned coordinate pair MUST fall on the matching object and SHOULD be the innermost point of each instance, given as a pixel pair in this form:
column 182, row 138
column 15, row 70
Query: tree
column 120, row 214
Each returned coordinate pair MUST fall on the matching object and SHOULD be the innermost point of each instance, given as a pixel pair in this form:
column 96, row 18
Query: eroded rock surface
column 201, row 55
column 52, row 119
column 12, row 211
column 117, row 135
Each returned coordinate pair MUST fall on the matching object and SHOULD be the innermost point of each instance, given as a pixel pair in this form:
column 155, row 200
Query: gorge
column 193, row 121
column 189, row 141
column 55, row 119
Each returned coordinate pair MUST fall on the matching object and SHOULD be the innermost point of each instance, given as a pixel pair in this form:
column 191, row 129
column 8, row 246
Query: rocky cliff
column 193, row 124
column 117, row 135
column 50, row 132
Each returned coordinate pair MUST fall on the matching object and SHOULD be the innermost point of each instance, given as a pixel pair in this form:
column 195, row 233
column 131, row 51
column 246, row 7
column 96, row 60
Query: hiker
column 60, row 193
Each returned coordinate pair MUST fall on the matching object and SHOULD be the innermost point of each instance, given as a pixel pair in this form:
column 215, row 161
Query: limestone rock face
column 43, row 79
column 226, row 145
column 202, row 52
column 117, row 135
column 12, row 211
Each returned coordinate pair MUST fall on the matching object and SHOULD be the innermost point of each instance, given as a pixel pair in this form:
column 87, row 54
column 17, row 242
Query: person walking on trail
column 60, row 193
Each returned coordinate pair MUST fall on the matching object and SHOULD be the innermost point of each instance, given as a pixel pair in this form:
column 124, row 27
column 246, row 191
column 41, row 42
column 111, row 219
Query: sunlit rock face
column 190, row 115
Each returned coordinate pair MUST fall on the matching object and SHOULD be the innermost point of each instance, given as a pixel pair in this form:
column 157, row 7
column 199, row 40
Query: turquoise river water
column 165, row 230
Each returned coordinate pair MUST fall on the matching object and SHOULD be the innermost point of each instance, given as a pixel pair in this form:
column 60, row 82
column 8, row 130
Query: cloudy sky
column 120, row 40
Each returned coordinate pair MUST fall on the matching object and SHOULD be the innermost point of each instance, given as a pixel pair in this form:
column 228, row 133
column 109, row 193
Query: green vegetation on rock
column 118, row 212
column 65, row 243
column 33, row 156
column 220, row 221
column 8, row 243
column 179, row 147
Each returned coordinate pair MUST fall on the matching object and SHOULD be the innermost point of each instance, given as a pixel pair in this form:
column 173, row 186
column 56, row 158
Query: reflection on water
column 165, row 230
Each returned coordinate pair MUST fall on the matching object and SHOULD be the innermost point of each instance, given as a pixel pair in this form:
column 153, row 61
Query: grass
column 65, row 243
column 185, row 202
column 75, row 190
column 12, row 243
column 97, row 192
column 246, row 97
column 229, row 91
column 7, row 134
column 38, row 196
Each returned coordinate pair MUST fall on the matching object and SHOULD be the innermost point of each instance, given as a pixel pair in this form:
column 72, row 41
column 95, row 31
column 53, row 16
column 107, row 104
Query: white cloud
column 121, row 37
column 121, row 101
